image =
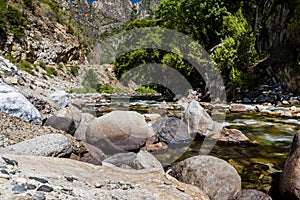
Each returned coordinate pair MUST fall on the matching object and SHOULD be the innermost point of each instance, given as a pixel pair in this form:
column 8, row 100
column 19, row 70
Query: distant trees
column 218, row 25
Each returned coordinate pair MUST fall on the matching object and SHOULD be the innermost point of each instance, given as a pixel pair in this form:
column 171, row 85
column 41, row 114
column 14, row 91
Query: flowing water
column 259, row 165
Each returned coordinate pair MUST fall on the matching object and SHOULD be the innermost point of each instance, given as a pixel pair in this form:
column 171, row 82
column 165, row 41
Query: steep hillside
column 38, row 31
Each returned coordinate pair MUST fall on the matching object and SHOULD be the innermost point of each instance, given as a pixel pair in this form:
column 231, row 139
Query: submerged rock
column 15, row 104
column 234, row 136
column 214, row 176
column 290, row 178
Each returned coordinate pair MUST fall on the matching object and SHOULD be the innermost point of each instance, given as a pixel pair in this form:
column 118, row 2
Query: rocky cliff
column 62, row 31
column 46, row 33
column 277, row 43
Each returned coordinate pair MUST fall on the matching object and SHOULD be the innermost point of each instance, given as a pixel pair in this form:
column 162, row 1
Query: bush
column 26, row 66
column 145, row 90
column 74, row 70
column 105, row 88
column 42, row 65
column 51, row 71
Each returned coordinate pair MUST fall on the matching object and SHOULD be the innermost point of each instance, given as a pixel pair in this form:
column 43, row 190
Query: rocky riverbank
column 108, row 157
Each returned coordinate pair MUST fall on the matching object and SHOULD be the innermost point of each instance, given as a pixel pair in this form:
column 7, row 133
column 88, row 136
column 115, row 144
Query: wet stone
column 45, row 188
column 19, row 189
column 41, row 180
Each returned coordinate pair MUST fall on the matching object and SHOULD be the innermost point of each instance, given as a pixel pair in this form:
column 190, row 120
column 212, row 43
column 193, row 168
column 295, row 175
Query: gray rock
column 111, row 181
column 70, row 112
column 232, row 136
column 237, row 108
column 214, row 176
column 61, row 123
column 145, row 160
column 290, row 178
column 254, row 195
column 171, row 130
column 55, row 145
column 199, row 121
column 120, row 159
column 61, row 99
column 80, row 132
column 19, row 189
column 118, row 131
column 15, row 104
column 95, row 154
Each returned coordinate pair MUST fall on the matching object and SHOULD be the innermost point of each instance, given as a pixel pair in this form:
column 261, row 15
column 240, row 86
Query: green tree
column 237, row 54
column 199, row 19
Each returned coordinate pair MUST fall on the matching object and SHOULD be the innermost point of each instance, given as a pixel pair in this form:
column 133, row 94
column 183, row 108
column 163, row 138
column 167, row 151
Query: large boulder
column 118, row 131
column 80, row 132
column 290, row 178
column 70, row 112
column 214, row 176
column 171, row 130
column 61, row 123
column 92, row 155
column 199, row 121
column 54, row 145
column 15, row 104
column 78, row 180
column 250, row 194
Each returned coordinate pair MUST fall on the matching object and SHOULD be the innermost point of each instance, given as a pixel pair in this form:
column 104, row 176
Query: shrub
column 51, row 71
column 42, row 65
column 105, row 88
column 145, row 90
column 26, row 66
column 74, row 70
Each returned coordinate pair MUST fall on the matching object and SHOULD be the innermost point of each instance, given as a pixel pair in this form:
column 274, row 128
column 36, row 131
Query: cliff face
column 277, row 44
column 63, row 31
column 48, row 36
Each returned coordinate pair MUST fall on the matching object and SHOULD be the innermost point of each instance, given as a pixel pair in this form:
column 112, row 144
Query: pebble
column 98, row 185
column 19, row 189
column 31, row 187
column 45, row 188
column 3, row 171
column 39, row 196
column 10, row 162
column 69, row 178
column 42, row 180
